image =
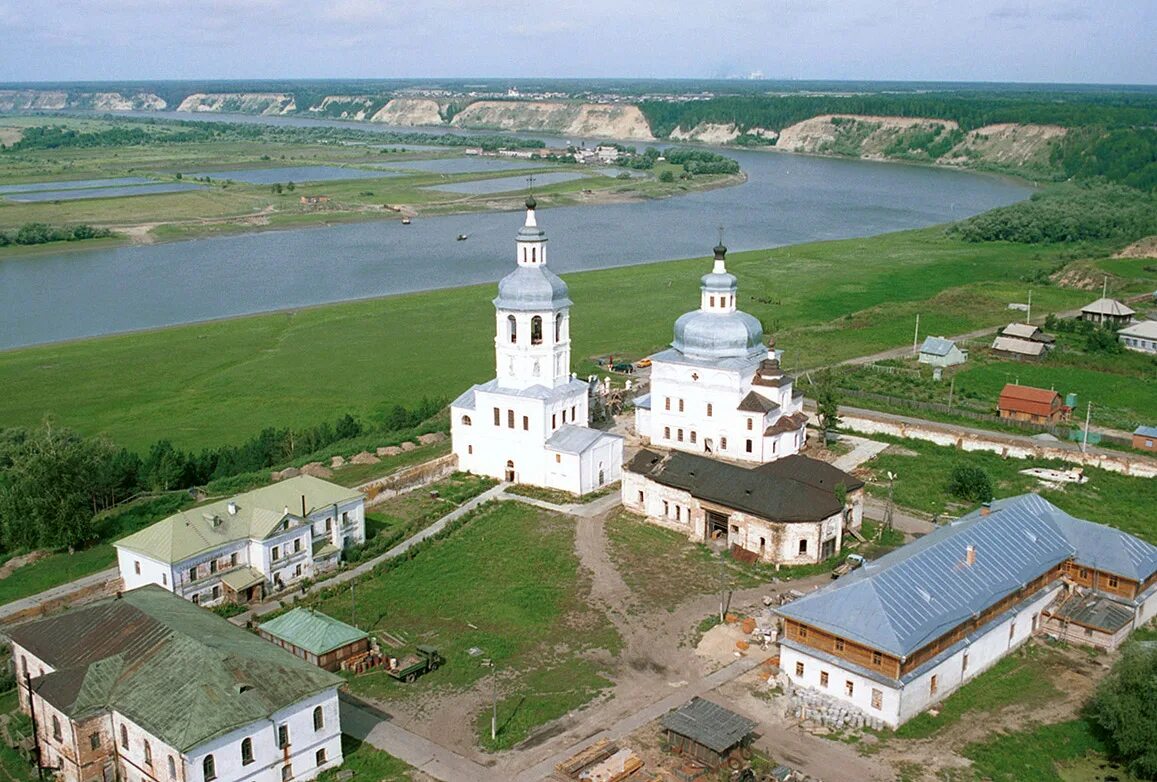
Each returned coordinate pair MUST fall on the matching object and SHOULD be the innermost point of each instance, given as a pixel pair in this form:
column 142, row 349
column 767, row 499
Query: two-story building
column 240, row 549
column 147, row 687
column 903, row 632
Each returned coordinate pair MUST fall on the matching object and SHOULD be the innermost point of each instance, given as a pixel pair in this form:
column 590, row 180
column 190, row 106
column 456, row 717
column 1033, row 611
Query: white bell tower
column 532, row 335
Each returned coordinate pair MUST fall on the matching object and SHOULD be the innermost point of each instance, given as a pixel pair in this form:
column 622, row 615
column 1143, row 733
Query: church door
column 510, row 472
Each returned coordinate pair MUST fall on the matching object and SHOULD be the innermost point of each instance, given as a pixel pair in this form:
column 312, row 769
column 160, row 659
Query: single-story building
column 1108, row 311
column 1014, row 347
column 1027, row 331
column 1145, row 438
column 706, row 732
column 1141, row 336
column 903, row 632
column 1035, row 405
column 792, row 511
column 941, row 352
column 315, row 637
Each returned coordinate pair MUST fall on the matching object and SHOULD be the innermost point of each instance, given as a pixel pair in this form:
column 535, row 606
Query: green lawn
column 368, row 764
column 193, row 384
column 529, row 614
column 1063, row 752
column 13, row 767
column 922, row 478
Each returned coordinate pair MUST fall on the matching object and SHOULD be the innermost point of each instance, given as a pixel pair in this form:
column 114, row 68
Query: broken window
column 823, row 678
column 799, row 669
column 877, row 699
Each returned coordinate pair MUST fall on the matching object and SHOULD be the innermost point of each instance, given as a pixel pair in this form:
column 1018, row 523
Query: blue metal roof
column 576, row 439
column 1146, row 431
column 913, row 595
column 937, row 346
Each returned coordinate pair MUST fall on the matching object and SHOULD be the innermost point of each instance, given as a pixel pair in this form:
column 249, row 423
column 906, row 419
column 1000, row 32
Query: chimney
column 303, row 506
column 232, row 508
column 970, row 555
column 986, row 509
column 286, row 511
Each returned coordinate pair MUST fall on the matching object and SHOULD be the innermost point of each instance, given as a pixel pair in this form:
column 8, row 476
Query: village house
column 941, row 352
column 1028, row 331
column 1109, row 312
column 531, row 424
column 1017, row 348
column 1145, row 438
column 902, row 633
column 1141, row 336
column 148, row 687
column 718, row 389
column 792, row 511
column 315, row 637
column 1034, row 405
column 241, row 549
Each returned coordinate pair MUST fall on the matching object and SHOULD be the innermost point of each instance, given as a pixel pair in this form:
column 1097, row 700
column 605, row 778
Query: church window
column 709, row 409
column 667, row 403
column 56, row 734
column 466, row 420
column 666, row 433
column 723, row 443
column 536, row 330
column 558, row 458
column 470, row 449
column 497, row 417
column 640, row 498
column 553, row 421
column 510, row 419
column 680, row 405
column 666, row 508
column 747, row 446
column 692, row 435
column 678, row 513
column 679, row 435
column 750, row 424
column 525, row 424
column 803, row 547
column 512, row 329
column 572, row 413
column 534, row 255
column 558, row 327
column 773, row 444
column 712, row 301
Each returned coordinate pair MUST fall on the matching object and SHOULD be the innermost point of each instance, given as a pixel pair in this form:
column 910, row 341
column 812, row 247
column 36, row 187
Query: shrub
column 970, row 483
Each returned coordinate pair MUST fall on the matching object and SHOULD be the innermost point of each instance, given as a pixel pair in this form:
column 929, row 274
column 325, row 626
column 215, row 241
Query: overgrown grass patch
column 368, row 764
column 1062, row 752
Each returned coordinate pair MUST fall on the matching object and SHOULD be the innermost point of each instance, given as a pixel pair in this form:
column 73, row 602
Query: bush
column 1125, row 707
column 970, row 483
column 667, row 176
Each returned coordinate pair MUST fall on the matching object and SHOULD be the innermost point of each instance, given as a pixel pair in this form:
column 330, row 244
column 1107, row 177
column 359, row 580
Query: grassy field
column 922, row 471
column 13, row 767
column 194, row 384
column 531, row 617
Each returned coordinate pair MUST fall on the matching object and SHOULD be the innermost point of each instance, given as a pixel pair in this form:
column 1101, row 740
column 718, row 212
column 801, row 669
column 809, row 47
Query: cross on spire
column 530, row 184
column 720, row 234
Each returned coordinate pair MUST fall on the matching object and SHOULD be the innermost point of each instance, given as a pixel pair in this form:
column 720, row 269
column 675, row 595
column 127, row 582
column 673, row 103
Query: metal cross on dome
column 694, row 375
column 720, row 227
column 530, row 184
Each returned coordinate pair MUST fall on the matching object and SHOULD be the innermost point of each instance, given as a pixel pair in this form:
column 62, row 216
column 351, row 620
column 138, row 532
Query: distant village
column 710, row 440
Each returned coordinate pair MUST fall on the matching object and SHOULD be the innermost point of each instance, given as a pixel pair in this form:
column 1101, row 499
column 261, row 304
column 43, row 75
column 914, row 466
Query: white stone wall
column 1147, row 610
column 521, row 364
column 304, row 742
column 838, row 678
column 151, row 571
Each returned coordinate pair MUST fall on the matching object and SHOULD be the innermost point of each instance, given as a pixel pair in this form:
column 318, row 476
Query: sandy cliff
column 408, row 112
column 619, row 122
column 265, row 103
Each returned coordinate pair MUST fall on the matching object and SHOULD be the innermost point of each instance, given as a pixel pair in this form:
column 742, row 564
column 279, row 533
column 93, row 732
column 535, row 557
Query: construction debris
column 616, row 768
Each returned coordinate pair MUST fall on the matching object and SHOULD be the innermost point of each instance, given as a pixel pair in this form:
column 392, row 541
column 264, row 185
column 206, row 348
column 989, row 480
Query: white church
column 718, row 389
column 530, row 423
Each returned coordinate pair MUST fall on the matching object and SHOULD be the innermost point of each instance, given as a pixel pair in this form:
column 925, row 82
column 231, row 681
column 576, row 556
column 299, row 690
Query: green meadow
column 219, row 382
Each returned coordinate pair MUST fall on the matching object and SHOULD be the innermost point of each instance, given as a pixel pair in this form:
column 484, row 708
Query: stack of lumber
column 599, row 751
column 616, row 768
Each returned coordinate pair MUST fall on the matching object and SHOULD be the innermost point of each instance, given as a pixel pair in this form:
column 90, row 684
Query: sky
column 1079, row 41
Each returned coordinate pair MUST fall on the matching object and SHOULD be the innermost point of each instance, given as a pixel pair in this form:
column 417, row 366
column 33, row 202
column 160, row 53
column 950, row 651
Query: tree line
column 55, row 482
column 42, row 233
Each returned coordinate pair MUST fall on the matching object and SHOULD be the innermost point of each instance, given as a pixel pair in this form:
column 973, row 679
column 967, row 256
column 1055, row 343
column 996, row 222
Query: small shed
column 1109, row 312
column 1090, row 620
column 315, row 637
column 941, row 352
column 706, row 732
column 1145, row 438
column 1035, row 405
column 1015, row 347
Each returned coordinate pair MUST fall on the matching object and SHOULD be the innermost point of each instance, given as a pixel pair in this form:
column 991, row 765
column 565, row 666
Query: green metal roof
column 257, row 515
column 182, row 673
column 312, row 631
column 242, row 578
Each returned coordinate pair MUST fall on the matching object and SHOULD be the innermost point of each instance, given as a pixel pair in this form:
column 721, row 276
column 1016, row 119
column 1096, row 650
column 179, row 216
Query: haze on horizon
column 1070, row 41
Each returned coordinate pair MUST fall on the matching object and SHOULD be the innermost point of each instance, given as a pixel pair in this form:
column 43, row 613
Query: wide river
column 787, row 199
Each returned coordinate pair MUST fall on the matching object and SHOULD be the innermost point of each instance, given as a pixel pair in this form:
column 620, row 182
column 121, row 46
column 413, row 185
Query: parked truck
column 848, row 565
column 410, row 667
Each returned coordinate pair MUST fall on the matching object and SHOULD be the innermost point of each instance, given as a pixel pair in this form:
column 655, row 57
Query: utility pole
column 1028, row 313
column 489, row 663
column 888, row 509
column 1088, row 415
column 916, row 337
column 1105, row 287
column 353, row 603
column 951, row 388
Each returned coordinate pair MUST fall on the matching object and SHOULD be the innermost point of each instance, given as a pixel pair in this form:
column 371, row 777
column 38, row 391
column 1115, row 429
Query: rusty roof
column 1026, row 399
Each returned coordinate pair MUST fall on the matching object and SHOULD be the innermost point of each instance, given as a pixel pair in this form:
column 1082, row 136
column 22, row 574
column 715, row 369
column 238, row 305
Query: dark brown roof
column 756, row 403
column 794, row 488
column 787, row 423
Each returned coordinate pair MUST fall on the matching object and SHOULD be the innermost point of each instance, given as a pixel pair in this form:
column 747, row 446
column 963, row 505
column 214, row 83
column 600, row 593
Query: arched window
column 318, row 718
column 466, row 420
column 124, row 737
column 246, row 751
column 148, row 754
column 558, row 327
column 209, row 767
column 512, row 329
column 536, row 330
column 56, row 729
column 172, row 768
column 534, row 255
